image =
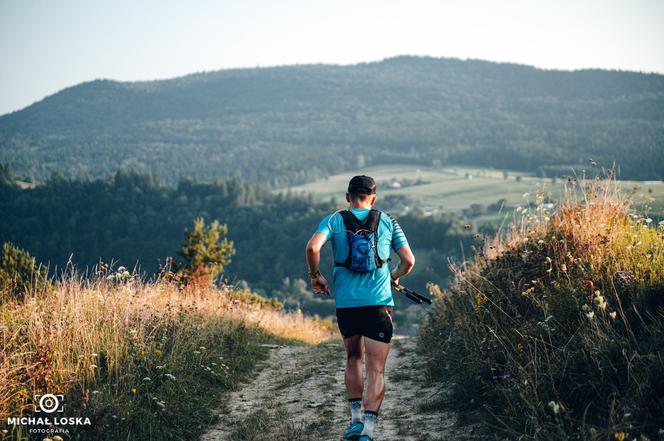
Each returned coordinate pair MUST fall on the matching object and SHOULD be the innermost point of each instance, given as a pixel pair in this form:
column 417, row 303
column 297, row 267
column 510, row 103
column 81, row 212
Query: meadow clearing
column 454, row 188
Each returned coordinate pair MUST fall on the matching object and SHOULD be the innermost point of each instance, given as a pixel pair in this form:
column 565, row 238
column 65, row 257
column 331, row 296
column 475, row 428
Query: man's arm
column 406, row 263
column 312, row 254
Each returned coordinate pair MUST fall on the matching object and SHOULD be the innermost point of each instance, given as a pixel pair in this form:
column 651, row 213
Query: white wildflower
column 555, row 407
column 170, row 376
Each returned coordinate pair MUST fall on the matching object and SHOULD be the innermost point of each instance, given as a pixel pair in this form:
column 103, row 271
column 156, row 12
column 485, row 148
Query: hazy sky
column 48, row 45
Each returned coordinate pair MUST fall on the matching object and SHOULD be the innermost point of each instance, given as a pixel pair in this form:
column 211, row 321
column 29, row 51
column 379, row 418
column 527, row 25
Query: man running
column 362, row 239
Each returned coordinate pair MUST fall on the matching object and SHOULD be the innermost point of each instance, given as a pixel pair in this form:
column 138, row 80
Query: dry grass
column 87, row 336
column 556, row 328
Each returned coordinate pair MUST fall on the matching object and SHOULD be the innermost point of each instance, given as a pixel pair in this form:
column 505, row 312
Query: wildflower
column 202, row 348
column 170, row 376
column 620, row 436
column 590, row 315
column 555, row 407
column 133, row 391
column 613, row 315
column 528, row 291
column 599, row 301
column 157, row 352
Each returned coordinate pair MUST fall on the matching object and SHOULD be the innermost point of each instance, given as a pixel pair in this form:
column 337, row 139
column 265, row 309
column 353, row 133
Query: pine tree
column 205, row 252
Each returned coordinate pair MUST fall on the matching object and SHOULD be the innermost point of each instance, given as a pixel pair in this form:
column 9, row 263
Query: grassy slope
column 557, row 331
column 143, row 361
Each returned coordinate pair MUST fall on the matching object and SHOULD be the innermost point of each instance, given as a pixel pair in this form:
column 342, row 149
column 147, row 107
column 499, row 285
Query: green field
column 451, row 189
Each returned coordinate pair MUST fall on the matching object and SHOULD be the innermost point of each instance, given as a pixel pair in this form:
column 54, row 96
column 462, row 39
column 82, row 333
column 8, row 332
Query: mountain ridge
column 290, row 119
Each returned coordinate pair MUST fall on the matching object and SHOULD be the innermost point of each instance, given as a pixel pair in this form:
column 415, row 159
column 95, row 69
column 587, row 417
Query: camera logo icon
column 49, row 403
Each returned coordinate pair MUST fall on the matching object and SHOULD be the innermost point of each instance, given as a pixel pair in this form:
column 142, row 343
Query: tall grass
column 142, row 360
column 556, row 331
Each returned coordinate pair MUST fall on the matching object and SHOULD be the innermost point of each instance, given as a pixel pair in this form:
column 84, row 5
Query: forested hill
column 284, row 125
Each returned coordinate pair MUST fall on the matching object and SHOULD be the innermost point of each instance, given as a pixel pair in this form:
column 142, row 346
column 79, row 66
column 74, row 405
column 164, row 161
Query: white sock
column 369, row 422
column 355, row 405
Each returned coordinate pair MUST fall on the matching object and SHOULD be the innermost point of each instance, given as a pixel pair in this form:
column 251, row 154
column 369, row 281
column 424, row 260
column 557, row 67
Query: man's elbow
column 409, row 264
column 311, row 248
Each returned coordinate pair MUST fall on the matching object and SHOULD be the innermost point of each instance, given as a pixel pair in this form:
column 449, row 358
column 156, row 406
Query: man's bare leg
column 353, row 375
column 376, row 357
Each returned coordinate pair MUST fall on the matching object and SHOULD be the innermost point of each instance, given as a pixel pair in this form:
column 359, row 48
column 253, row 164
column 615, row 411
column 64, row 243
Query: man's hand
column 320, row 286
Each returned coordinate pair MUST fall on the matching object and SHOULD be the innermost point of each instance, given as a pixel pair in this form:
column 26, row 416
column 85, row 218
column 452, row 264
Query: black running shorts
column 374, row 322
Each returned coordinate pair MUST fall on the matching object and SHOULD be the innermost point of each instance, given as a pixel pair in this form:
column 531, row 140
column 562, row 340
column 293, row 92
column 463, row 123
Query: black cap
column 362, row 185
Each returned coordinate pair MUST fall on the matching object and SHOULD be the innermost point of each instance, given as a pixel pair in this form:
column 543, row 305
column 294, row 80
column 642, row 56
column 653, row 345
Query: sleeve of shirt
column 398, row 236
column 324, row 227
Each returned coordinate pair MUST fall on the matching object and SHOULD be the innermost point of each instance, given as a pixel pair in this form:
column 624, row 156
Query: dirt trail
column 299, row 394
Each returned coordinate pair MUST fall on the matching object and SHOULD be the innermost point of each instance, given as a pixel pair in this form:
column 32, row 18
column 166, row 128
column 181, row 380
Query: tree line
column 133, row 218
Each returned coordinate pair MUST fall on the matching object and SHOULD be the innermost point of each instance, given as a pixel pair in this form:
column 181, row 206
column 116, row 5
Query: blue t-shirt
column 353, row 289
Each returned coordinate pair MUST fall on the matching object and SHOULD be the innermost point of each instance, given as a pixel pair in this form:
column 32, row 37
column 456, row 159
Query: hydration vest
column 362, row 242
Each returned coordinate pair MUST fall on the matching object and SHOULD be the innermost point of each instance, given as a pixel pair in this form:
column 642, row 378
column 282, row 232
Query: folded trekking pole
column 412, row 295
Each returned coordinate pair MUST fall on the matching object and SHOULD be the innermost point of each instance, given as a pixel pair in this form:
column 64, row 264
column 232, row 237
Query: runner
column 362, row 239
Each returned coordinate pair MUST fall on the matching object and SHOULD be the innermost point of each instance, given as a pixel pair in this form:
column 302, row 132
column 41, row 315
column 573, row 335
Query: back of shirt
column 353, row 289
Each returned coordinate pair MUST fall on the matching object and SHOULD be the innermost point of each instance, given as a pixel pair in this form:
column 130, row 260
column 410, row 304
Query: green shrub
column 557, row 332
column 19, row 274
column 205, row 252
